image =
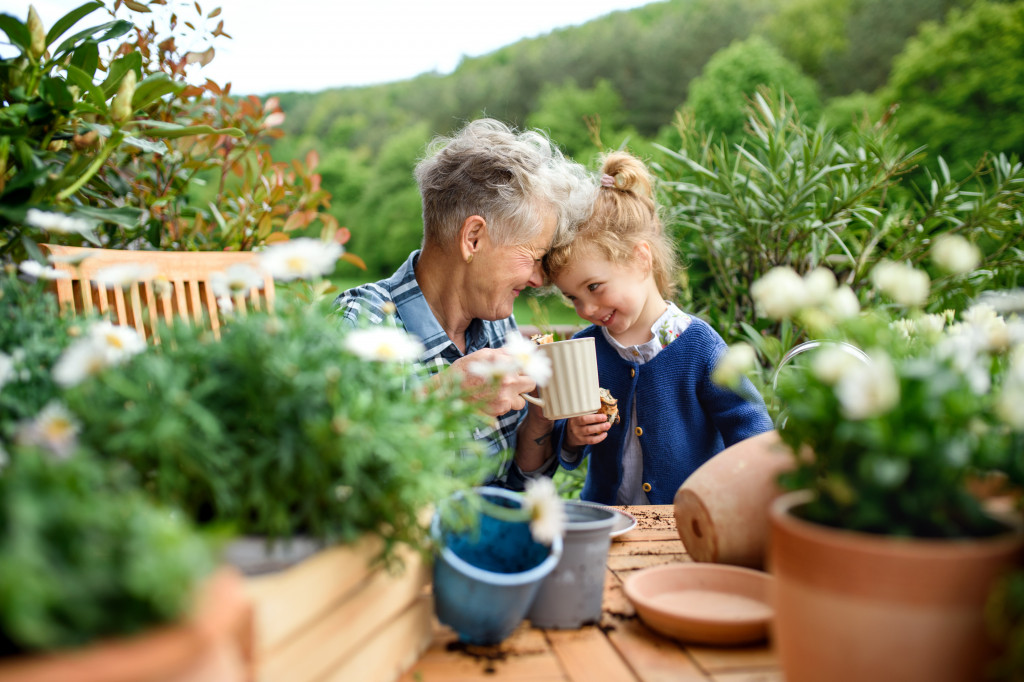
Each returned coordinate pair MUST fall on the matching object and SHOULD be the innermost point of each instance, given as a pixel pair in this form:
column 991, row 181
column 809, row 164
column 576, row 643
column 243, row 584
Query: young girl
column 655, row 359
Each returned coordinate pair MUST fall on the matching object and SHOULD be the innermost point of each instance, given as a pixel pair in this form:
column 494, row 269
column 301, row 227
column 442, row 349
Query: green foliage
column 848, row 46
column 83, row 559
column 719, row 96
column 571, row 115
column 280, row 429
column 960, row 84
column 807, row 197
column 32, row 337
column 888, row 436
column 901, row 470
column 99, row 123
column 388, row 211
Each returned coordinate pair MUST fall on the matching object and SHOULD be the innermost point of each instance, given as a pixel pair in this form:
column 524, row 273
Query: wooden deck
column 620, row 649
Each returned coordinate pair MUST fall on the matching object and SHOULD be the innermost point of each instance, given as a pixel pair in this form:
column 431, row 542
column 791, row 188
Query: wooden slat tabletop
column 619, row 649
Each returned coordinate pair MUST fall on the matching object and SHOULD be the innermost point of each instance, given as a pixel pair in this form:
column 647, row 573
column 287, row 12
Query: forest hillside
column 954, row 67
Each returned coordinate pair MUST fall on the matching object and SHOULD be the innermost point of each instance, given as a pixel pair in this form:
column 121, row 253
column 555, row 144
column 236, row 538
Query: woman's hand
column 497, row 395
column 589, row 429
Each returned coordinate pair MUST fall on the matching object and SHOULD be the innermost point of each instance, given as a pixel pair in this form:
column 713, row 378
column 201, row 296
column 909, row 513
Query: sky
column 310, row 45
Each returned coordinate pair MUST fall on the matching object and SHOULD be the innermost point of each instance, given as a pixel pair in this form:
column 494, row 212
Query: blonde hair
column 625, row 214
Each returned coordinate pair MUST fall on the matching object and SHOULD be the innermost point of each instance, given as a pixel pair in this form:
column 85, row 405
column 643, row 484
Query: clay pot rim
column 780, row 515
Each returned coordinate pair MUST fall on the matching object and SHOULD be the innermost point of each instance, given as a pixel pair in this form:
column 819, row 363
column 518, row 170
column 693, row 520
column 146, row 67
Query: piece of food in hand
column 540, row 339
column 609, row 406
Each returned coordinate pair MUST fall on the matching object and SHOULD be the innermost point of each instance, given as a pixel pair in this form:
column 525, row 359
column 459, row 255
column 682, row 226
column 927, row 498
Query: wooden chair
column 142, row 305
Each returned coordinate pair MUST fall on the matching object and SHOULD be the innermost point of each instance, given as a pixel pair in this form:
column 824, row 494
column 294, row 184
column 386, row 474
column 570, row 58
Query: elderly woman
column 494, row 202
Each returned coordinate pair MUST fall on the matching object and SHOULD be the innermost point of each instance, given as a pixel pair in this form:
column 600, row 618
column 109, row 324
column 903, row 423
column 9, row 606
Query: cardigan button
column 647, row 487
column 632, row 373
column 639, row 431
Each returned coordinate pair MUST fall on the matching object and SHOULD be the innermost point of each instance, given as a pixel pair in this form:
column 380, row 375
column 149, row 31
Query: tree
column 387, row 222
column 567, row 112
column 719, row 96
column 960, row 84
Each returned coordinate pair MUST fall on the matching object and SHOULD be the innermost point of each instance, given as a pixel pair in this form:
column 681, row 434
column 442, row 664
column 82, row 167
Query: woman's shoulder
column 364, row 302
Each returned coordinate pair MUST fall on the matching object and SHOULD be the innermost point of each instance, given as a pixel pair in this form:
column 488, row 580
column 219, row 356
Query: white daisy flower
column 54, row 429
column 527, row 358
column 39, row 271
column 779, row 294
column 546, row 510
column 954, row 254
column 302, row 258
column 124, row 275
column 842, row 303
column 56, row 222
column 987, row 326
column 869, row 390
column 225, row 305
column 118, row 341
column 493, row 370
column 103, row 346
column 830, row 364
column 819, row 285
column 384, row 344
column 734, row 364
column 902, row 283
column 237, row 280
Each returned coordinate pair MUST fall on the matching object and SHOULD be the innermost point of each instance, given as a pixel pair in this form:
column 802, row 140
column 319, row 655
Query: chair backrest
column 143, row 305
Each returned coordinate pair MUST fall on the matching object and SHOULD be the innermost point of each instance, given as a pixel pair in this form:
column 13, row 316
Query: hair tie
column 607, row 181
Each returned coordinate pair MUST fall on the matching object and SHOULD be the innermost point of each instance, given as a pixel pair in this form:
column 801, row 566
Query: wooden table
column 620, row 649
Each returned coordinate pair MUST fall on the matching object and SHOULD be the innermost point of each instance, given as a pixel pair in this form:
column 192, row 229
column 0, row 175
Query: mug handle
column 530, row 399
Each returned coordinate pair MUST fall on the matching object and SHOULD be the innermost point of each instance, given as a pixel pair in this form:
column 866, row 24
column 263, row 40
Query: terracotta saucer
column 703, row 603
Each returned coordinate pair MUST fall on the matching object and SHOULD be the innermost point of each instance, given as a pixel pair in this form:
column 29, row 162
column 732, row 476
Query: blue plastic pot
column 486, row 580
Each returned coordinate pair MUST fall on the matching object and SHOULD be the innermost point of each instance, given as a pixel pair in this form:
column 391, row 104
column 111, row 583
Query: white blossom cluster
column 521, row 356
column 784, row 294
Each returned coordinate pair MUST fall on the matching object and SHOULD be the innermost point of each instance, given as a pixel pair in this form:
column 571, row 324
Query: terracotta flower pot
column 212, row 645
column 721, row 510
column 854, row 606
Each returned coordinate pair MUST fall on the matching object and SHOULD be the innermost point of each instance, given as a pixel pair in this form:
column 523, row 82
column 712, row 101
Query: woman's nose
column 537, row 276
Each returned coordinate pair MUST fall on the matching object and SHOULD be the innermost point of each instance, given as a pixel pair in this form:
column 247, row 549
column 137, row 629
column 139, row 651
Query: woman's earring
column 469, row 259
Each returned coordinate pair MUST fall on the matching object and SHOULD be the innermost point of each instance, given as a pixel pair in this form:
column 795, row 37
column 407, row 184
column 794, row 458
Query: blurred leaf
column 70, row 19
column 16, row 31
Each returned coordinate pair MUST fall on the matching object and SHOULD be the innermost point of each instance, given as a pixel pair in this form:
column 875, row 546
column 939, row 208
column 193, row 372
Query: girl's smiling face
column 620, row 296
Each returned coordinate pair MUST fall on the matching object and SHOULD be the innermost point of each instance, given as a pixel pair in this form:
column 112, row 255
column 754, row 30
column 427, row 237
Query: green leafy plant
column 32, row 336
column 890, row 439
column 284, row 427
column 84, row 558
column 100, row 124
column 803, row 197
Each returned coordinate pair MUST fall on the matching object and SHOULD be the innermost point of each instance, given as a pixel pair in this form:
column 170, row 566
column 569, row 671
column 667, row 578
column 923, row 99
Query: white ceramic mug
column 573, row 389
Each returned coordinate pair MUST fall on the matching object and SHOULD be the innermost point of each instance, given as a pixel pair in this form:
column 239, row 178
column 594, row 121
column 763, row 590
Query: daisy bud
column 35, row 28
column 121, row 109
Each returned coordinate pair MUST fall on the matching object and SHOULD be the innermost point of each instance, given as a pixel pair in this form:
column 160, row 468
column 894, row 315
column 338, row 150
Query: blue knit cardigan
column 683, row 417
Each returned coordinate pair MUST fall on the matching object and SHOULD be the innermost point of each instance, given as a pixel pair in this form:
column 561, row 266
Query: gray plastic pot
column 571, row 595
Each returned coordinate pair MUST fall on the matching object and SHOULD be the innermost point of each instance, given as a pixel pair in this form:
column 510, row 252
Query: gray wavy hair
column 511, row 179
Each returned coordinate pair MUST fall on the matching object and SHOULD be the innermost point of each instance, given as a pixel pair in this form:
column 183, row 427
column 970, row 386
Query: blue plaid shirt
column 366, row 302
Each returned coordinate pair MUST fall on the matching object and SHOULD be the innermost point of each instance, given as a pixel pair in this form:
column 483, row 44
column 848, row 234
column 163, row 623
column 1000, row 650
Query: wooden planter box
column 334, row 616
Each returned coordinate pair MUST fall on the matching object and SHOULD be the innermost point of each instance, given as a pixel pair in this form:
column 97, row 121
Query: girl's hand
column 589, row 429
